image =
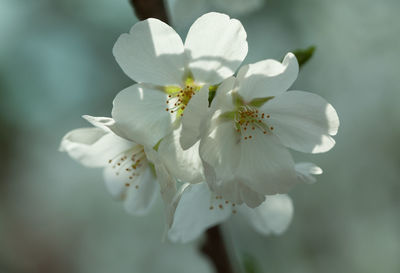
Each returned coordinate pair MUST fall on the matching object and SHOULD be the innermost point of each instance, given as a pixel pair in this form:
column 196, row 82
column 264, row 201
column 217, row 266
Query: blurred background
column 56, row 65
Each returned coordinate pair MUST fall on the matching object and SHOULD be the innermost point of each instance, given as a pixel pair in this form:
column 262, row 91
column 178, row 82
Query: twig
column 214, row 248
column 150, row 9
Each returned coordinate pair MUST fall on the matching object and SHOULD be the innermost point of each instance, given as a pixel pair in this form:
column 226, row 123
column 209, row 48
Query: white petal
column 218, row 143
column 265, row 165
column 272, row 216
column 303, row 121
column 195, row 112
column 185, row 165
column 139, row 112
column 100, row 122
column 93, row 147
column 196, row 211
column 306, row 170
column 267, row 78
column 140, row 199
column 167, row 182
column 216, row 45
column 223, row 97
column 152, row 52
column 219, row 150
column 105, row 123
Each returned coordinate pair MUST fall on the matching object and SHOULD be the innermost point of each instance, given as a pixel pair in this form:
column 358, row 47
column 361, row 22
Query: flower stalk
column 150, row 9
column 214, row 248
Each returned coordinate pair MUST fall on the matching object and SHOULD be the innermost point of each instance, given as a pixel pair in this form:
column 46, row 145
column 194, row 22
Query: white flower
column 170, row 73
column 127, row 171
column 196, row 208
column 252, row 122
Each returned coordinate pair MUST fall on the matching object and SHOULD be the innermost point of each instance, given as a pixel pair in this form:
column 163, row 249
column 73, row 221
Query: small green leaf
column 250, row 264
column 258, row 102
column 304, row 55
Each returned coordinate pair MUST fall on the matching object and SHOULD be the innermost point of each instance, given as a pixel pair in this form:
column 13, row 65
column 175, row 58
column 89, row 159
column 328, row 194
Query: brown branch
column 150, row 9
column 214, row 248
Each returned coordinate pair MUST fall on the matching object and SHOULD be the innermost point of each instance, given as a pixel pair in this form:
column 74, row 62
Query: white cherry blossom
column 196, row 208
column 127, row 171
column 169, row 72
column 251, row 123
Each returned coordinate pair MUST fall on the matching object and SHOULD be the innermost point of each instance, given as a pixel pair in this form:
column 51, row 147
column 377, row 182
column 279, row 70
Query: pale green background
column 56, row 216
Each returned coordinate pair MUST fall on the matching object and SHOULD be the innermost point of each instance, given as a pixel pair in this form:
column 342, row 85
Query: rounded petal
column 306, row 170
column 215, row 45
column 151, row 52
column 139, row 113
column 195, row 112
column 267, row 78
column 303, row 121
column 185, row 165
column 265, row 165
column 272, row 216
column 93, row 147
column 196, row 211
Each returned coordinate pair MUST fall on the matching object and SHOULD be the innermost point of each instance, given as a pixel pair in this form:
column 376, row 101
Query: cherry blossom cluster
column 211, row 137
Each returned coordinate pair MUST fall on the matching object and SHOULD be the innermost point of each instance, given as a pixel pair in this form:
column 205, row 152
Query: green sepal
column 258, row 102
column 228, row 115
column 212, row 90
column 155, row 148
column 172, row 89
column 152, row 168
column 237, row 100
column 304, row 55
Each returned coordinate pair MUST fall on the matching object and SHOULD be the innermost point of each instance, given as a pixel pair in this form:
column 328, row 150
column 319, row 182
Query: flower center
column 248, row 118
column 178, row 100
column 130, row 163
column 179, row 97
